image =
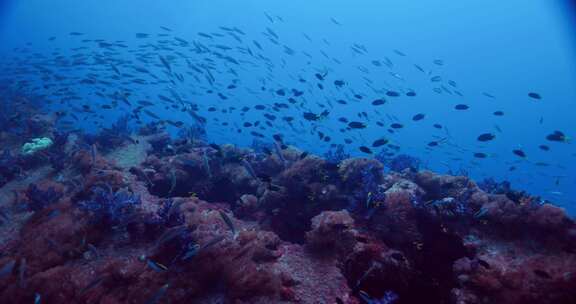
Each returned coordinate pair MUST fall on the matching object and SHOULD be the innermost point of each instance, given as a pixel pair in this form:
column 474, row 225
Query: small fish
column 480, row 155
column 418, row 117
column 156, row 266
column 557, row 136
column 22, row 274
column 158, row 294
column 483, row 263
column 379, row 142
column 461, row 107
column 228, row 221
column 356, row 125
column 378, row 102
column 542, row 274
column 486, row 137
column 519, row 153
column 534, row 96
column 92, row 284
column 365, row 150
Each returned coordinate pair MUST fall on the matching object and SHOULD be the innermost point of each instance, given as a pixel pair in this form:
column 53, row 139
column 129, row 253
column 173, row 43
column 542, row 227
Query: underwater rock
column 332, row 233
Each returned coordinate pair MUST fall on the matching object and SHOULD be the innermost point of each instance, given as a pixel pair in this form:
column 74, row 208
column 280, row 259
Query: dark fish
column 542, row 274
column 437, row 126
column 461, row 107
column 557, row 136
column 396, row 126
column 392, row 94
column 486, row 137
column 365, row 150
column 498, row 113
column 310, row 116
column 303, row 155
column 544, row 147
column 411, row 94
column 356, row 125
column 519, row 153
column 534, row 95
column 480, row 155
column 378, row 102
column 418, row 117
column 379, row 142
column 156, row 266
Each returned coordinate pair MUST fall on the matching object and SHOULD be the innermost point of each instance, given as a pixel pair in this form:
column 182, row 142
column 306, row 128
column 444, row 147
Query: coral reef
column 155, row 219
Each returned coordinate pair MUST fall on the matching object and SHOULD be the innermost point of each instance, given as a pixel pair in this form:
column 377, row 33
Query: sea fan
column 111, row 208
column 336, row 154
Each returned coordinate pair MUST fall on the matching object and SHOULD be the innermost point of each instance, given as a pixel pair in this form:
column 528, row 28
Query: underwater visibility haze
column 287, row 151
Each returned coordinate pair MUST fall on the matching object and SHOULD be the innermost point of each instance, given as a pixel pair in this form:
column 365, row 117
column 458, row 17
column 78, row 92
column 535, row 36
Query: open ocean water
column 167, row 93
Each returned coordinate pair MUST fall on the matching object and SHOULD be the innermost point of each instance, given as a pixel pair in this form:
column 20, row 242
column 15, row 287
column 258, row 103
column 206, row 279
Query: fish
column 483, row 263
column 356, row 125
column 519, row 153
column 480, row 155
column 461, row 107
column 92, row 284
column 22, row 273
column 228, row 222
column 534, row 96
column 365, row 149
column 557, row 136
column 158, row 294
column 486, row 137
column 378, row 102
column 156, row 266
column 542, row 274
column 418, row 117
column 379, row 142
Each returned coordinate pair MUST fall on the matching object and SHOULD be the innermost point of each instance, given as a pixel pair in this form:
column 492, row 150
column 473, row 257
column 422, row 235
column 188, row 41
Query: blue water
column 504, row 48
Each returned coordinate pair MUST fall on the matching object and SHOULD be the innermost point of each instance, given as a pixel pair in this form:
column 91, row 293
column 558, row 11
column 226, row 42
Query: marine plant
column 400, row 162
column 193, row 133
column 111, row 208
column 336, row 154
